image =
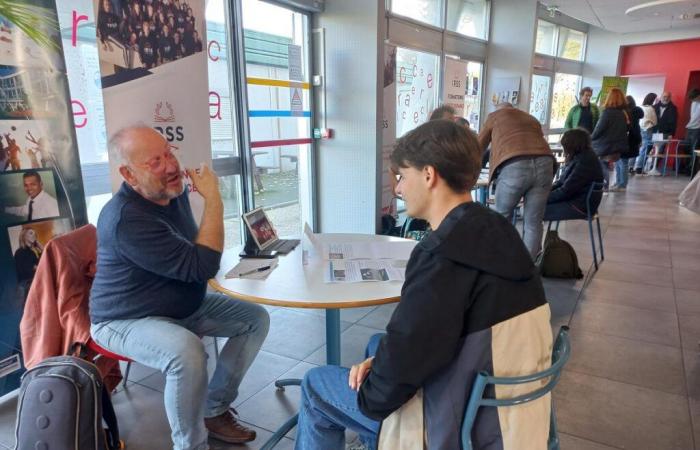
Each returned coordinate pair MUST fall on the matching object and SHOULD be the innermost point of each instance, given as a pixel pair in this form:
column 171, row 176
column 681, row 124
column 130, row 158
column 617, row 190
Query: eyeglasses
column 158, row 164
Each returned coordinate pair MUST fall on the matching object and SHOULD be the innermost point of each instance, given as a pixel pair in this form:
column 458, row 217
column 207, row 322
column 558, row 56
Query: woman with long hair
column 634, row 139
column 647, row 125
column 27, row 259
column 609, row 138
column 581, row 168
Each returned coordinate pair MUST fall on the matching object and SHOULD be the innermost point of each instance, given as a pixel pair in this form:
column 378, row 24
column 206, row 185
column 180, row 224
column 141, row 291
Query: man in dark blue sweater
column 149, row 302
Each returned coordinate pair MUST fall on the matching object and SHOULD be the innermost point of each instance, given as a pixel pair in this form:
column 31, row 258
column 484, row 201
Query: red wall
column 676, row 59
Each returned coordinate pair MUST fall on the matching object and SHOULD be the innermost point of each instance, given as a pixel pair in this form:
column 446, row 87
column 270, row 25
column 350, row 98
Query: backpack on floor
column 62, row 402
column 558, row 258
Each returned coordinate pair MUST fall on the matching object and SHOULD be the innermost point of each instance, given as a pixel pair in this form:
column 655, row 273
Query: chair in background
column 560, row 355
column 673, row 151
column 591, row 215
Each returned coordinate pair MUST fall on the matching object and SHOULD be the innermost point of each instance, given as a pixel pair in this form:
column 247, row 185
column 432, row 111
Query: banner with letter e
column 154, row 73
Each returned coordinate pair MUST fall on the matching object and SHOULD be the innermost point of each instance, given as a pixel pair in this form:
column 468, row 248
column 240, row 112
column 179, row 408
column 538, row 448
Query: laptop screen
column 260, row 228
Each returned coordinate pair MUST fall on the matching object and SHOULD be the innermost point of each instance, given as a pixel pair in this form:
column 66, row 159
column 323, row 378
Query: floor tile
column 690, row 330
column 691, row 364
column 695, row 416
column 630, row 294
column 686, row 278
column 270, row 407
column 627, row 361
column 622, row 415
column 687, row 302
column 637, row 255
column 350, row 315
column 379, row 317
column 352, row 346
column 636, row 273
column 685, row 248
column 568, row 442
column 686, row 260
column 296, row 335
column 628, row 322
column 653, row 244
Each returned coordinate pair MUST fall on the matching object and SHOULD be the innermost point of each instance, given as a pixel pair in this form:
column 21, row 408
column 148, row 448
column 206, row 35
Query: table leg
column 333, row 337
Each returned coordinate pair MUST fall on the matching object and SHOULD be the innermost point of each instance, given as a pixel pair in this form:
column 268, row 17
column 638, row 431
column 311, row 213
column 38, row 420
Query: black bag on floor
column 558, row 258
column 62, row 402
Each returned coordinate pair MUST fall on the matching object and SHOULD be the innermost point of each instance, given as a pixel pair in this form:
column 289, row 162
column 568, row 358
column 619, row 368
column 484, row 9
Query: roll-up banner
column 455, row 85
column 41, row 189
column 154, row 73
column 388, row 205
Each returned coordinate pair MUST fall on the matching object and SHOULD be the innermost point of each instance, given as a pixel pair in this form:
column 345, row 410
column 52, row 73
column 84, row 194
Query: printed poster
column 608, row 84
column 41, row 190
column 154, row 72
column 456, row 72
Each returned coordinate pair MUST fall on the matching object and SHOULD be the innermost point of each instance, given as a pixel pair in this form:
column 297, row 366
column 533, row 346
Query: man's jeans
column 530, row 179
column 174, row 347
column 329, row 406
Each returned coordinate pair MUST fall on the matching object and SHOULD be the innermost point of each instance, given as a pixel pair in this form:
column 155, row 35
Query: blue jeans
column 530, row 179
column 174, row 347
column 644, row 149
column 621, row 174
column 329, row 406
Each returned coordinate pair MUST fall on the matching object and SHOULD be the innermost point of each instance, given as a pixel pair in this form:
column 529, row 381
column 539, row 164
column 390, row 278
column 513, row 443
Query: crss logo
column 171, row 133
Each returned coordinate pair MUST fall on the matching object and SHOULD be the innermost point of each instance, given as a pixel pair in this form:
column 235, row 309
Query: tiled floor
column 633, row 381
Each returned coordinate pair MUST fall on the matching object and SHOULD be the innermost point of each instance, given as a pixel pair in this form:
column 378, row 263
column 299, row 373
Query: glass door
column 276, row 45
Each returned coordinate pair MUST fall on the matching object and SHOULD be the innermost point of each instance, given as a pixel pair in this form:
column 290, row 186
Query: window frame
column 557, row 36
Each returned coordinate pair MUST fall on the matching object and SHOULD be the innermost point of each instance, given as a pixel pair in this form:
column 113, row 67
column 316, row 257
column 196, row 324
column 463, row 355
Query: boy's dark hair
column 693, row 94
column 575, row 141
column 451, row 149
column 438, row 113
column 584, row 90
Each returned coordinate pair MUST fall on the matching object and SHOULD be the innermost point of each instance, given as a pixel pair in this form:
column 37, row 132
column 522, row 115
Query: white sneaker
column 654, row 173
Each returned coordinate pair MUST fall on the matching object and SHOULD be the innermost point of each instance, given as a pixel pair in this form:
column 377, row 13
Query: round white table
column 295, row 284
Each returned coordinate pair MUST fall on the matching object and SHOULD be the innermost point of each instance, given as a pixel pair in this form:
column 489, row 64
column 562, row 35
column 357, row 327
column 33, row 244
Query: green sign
column 608, row 84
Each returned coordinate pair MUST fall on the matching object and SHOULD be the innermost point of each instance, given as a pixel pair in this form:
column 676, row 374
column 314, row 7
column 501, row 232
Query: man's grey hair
column 117, row 143
column 504, row 105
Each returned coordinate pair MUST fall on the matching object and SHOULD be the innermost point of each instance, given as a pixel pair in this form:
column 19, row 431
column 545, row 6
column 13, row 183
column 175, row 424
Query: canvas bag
column 558, row 258
column 62, row 402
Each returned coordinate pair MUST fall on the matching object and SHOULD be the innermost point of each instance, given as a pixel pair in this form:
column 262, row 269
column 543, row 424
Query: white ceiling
column 610, row 14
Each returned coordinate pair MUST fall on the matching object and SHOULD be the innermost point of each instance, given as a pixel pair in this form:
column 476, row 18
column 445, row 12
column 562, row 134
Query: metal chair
column 591, row 215
column 560, row 355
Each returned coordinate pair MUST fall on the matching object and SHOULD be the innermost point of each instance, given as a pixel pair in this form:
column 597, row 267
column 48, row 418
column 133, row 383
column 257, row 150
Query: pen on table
column 259, row 269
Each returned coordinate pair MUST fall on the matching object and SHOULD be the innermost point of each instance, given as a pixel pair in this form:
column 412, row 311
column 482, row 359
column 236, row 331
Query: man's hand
column 358, row 373
column 206, row 182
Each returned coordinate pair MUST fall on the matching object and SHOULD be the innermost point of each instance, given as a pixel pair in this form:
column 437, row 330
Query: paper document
column 253, row 268
column 400, row 250
column 365, row 270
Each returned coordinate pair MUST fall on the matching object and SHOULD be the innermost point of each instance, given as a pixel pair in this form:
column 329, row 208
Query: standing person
column 634, row 140
column 522, row 166
column 667, row 115
column 445, row 112
column 693, row 127
column 149, row 300
column 584, row 114
column 647, row 125
column 609, row 138
column 472, row 301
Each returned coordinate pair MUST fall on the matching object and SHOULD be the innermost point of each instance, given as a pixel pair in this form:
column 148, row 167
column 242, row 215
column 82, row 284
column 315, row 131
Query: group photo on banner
column 41, row 191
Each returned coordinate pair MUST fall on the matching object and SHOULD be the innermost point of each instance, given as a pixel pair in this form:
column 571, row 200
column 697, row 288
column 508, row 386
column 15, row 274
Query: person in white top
column 647, row 124
column 693, row 127
column 39, row 204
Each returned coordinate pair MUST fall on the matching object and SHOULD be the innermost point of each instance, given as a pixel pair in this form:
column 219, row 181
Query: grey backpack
column 62, row 402
column 558, row 258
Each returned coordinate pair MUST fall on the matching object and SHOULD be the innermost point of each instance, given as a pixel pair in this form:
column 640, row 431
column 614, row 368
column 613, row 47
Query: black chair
column 596, row 187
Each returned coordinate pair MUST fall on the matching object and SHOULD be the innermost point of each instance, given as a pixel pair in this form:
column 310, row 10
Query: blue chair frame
column 560, row 355
column 590, row 216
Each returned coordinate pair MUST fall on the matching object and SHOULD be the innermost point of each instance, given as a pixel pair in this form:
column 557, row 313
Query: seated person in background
column 568, row 197
column 149, row 302
column 462, row 310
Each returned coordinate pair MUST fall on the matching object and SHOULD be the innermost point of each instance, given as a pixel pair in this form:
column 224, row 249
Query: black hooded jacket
column 469, row 274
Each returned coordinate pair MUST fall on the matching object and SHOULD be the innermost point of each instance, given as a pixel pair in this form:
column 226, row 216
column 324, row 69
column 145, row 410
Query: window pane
column 416, row 88
column 472, row 98
column 563, row 98
column 546, row 38
column 428, row 11
column 571, row 44
column 468, row 17
column 539, row 97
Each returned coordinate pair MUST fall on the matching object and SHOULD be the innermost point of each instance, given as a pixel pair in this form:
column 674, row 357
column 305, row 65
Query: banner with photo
column 41, row 189
column 456, row 72
column 388, row 205
column 154, row 72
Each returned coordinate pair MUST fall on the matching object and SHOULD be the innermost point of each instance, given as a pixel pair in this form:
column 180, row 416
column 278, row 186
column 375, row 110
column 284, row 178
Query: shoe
column 618, row 189
column 654, row 173
column 226, row 428
column 638, row 171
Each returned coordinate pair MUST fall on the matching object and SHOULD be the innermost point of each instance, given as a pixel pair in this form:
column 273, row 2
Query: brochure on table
column 365, row 270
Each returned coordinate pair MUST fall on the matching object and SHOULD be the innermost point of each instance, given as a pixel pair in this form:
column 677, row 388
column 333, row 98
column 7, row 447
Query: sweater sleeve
column 601, row 126
column 422, row 335
column 155, row 246
column 568, row 123
column 485, row 134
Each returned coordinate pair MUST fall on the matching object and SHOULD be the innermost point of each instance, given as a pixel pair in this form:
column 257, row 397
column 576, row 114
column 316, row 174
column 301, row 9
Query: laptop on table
column 265, row 242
